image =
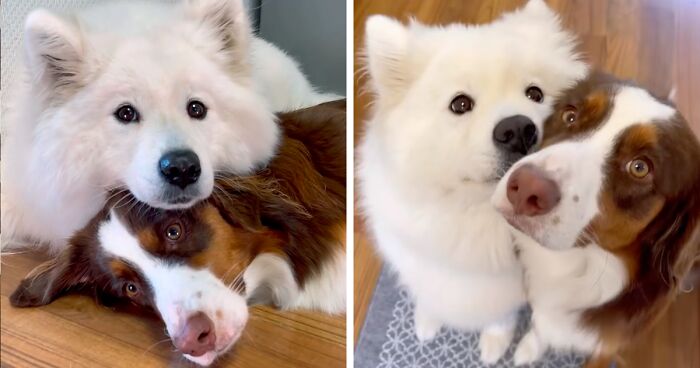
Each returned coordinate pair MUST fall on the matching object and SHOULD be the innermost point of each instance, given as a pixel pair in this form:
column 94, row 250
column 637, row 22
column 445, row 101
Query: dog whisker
column 154, row 345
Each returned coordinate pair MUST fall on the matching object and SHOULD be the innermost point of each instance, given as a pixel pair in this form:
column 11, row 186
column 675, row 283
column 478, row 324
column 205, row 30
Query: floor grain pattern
column 655, row 42
column 75, row 332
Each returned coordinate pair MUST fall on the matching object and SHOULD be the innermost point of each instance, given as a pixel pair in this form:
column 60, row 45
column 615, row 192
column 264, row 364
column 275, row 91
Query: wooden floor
column 75, row 332
column 657, row 43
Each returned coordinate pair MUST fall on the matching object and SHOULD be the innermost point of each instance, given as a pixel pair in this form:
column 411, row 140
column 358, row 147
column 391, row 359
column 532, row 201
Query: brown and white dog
column 276, row 237
column 613, row 198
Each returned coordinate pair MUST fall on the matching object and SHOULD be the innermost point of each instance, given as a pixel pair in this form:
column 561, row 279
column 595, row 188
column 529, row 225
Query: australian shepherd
column 613, row 199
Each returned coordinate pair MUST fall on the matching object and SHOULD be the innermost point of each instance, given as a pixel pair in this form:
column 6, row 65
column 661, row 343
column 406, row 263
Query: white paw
column 493, row 344
column 426, row 327
column 529, row 350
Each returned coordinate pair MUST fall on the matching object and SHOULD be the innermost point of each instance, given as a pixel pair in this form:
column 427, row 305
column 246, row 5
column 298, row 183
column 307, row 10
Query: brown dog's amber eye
column 173, row 232
column 461, row 104
column 638, row 168
column 569, row 115
column 131, row 289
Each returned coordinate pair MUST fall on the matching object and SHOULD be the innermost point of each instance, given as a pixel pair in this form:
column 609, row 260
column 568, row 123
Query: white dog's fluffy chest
column 453, row 252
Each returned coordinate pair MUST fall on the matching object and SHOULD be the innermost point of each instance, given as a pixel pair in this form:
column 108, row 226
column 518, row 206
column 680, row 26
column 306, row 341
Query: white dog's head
column 459, row 104
column 157, row 105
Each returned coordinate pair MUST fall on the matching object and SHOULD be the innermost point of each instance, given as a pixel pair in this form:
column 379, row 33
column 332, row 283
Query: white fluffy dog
column 144, row 96
column 455, row 107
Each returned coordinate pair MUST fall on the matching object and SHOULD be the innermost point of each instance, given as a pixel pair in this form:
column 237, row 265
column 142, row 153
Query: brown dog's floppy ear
column 50, row 279
column 687, row 269
column 236, row 203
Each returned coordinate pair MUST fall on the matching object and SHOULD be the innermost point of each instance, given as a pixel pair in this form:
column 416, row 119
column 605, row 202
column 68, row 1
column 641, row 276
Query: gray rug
column 388, row 341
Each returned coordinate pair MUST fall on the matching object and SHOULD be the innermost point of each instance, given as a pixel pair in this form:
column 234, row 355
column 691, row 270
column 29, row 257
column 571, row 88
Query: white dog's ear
column 537, row 7
column 54, row 51
column 673, row 94
column 387, row 48
column 225, row 21
column 541, row 25
column 534, row 12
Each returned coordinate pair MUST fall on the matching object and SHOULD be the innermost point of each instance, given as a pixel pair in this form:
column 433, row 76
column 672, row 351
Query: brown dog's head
column 618, row 168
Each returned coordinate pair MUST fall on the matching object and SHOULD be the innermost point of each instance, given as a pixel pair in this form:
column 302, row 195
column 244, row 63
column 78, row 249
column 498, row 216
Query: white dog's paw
column 426, row 327
column 493, row 343
column 529, row 349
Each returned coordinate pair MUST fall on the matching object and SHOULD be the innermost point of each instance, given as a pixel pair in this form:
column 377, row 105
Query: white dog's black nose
column 180, row 167
column 515, row 134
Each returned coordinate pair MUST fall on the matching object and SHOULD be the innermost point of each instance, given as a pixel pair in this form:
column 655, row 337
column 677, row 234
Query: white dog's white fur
column 427, row 175
column 563, row 280
column 64, row 149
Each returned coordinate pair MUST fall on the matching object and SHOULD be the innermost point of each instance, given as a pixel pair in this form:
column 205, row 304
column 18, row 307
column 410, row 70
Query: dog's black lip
column 490, row 180
column 175, row 196
column 180, row 200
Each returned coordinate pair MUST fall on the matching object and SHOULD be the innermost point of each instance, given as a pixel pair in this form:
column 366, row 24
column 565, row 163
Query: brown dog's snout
column 197, row 337
column 532, row 192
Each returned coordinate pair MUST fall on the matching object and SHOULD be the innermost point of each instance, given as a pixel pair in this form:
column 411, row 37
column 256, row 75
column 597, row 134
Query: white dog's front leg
column 496, row 338
column 426, row 325
column 529, row 349
column 8, row 229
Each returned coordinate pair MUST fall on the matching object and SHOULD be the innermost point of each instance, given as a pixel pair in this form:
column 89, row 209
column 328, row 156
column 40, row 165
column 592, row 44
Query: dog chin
column 178, row 203
column 522, row 224
column 209, row 357
column 173, row 201
column 488, row 178
column 204, row 360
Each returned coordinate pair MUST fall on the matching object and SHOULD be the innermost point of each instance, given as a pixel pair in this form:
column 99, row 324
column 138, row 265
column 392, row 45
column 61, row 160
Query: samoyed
column 143, row 96
column 455, row 106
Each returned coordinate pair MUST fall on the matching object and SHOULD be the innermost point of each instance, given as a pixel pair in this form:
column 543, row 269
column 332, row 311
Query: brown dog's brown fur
column 659, row 240
column 301, row 195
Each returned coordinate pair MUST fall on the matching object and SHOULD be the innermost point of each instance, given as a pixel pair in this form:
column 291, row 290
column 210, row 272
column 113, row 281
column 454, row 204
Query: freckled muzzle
column 531, row 191
column 202, row 337
column 197, row 335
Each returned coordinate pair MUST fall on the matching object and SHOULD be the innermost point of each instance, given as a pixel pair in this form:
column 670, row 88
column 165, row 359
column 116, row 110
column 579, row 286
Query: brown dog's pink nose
column 197, row 337
column 531, row 192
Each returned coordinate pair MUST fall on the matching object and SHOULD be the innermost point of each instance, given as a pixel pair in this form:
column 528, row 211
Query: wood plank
column 74, row 331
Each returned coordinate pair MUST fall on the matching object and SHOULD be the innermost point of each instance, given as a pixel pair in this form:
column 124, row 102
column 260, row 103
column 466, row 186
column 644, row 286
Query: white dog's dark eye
column 534, row 93
column 127, row 114
column 461, row 104
column 196, row 110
